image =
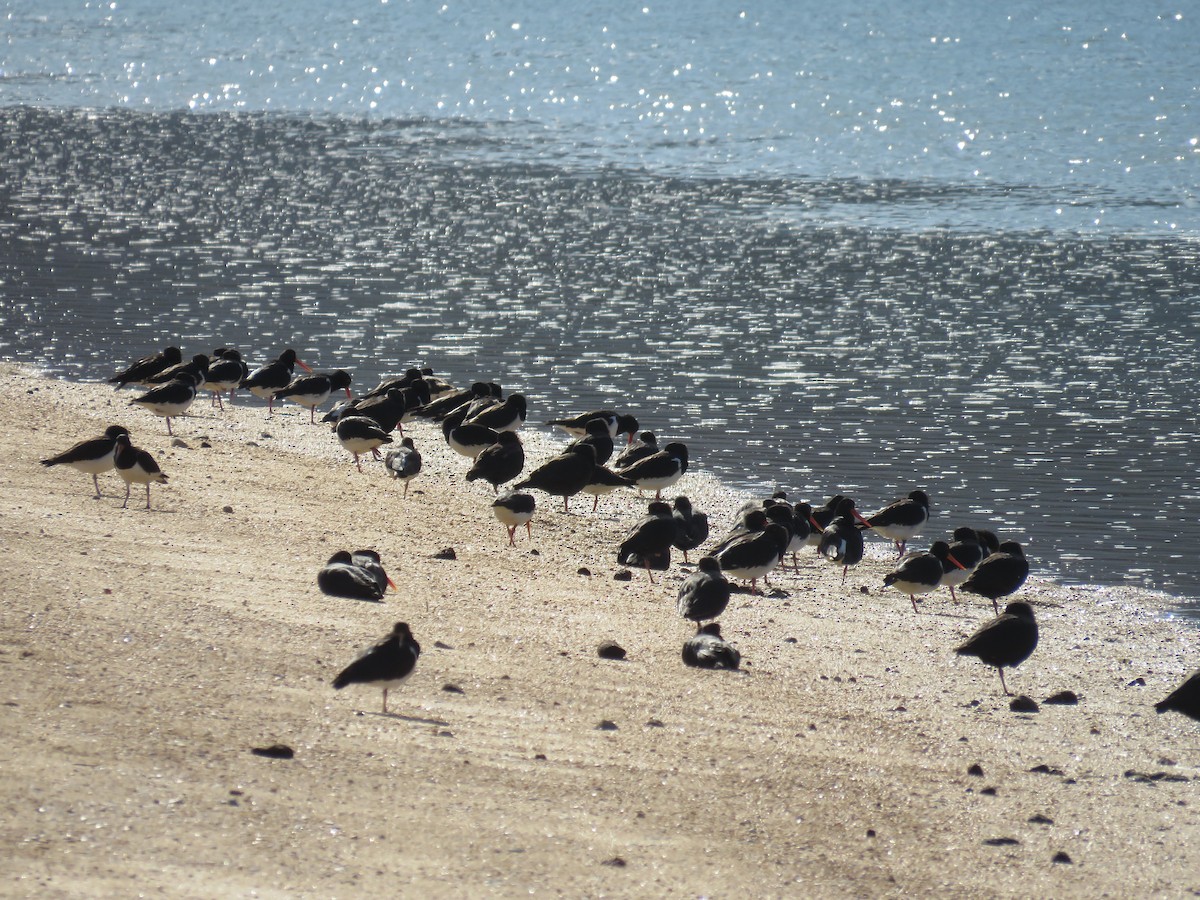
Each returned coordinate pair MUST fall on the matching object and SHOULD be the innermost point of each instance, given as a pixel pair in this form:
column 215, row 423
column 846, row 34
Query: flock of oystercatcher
column 481, row 425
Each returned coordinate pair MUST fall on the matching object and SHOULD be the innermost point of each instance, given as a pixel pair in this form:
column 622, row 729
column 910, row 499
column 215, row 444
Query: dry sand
column 145, row 653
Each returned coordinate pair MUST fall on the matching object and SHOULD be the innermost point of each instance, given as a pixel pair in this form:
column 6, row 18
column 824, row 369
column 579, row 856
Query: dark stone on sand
column 442, row 646
column 452, row 689
column 539, row 756
column 616, row 862
column 1137, row 682
column 610, row 650
column 1024, row 704
column 988, row 792
column 1061, row 857
column 623, row 575
column 1002, row 842
column 205, row 444
column 275, row 751
column 1043, row 769
column 446, row 553
column 1063, row 698
column 227, row 509
column 655, row 723
column 863, row 589
column 975, row 769
column 180, row 443
column 870, row 832
column 1039, row 819
column 606, row 725
column 584, row 570
column 790, row 640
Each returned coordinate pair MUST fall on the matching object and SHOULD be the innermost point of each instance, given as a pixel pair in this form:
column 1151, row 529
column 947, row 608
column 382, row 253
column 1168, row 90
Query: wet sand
column 145, row 653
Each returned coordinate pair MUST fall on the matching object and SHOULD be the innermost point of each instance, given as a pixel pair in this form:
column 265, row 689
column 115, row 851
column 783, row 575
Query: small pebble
column 584, row 570
column 1039, row 819
column 975, row 768
column 1002, row 842
column 606, row 725
column 446, row 553
column 226, row 509
column 275, row 751
column 1137, row 682
column 1061, row 857
column 623, row 575
column 610, row 650
column 616, row 862
column 452, row 689
column 181, row 443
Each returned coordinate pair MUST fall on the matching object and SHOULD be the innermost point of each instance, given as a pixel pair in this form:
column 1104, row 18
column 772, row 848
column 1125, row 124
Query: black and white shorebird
column 136, row 466
column 264, row 381
column 94, row 456
column 468, row 439
column 691, row 526
column 512, row 510
column 170, row 399
column 749, row 521
column 706, row 649
column 196, row 367
column 596, row 434
column 648, row 543
column 342, row 577
column 820, row 518
column 660, row 470
column 842, row 540
column 968, row 553
column 618, row 423
column 920, row 572
column 563, row 475
column 386, row 665
column 705, row 593
column 802, row 529
column 360, row 434
column 369, row 561
column 501, row 462
column 646, row 445
column 901, row 521
column 1184, row 699
column 313, row 390
column 1007, row 640
column 1000, row 574
column 755, row 555
column 507, row 415
column 603, row 481
column 404, row 462
column 225, row 373
column 147, row 367
column 387, row 409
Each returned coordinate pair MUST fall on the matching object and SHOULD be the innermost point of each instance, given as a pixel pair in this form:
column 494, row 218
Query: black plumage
column 147, row 367
column 404, row 462
column 1000, row 574
column 1184, row 699
column 705, row 593
column 342, row 577
column 501, row 462
column 93, row 456
column 706, row 649
column 563, row 475
column 842, row 541
column 387, row 664
column 691, row 526
column 648, row 543
column 1007, row 640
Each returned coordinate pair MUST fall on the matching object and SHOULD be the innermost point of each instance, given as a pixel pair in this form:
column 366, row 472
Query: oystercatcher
column 659, row 471
column 360, row 434
column 900, row 521
column 147, row 367
column 386, row 664
column 92, row 457
column 648, row 543
column 266, row 380
column 705, row 593
column 564, row 475
column 1000, row 574
column 691, row 526
column 136, row 466
column 920, row 573
column 1007, row 640
column 501, row 462
column 170, row 399
column 706, row 649
column 342, row 577
column 313, row 390
column 404, row 462
column 513, row 510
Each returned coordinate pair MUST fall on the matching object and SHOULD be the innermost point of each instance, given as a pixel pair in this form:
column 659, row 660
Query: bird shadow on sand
column 419, row 720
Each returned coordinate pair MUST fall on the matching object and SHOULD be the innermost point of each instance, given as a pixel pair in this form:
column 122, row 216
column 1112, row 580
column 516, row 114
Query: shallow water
column 886, row 254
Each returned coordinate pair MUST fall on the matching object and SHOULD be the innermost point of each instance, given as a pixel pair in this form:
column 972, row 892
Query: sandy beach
column 146, row 653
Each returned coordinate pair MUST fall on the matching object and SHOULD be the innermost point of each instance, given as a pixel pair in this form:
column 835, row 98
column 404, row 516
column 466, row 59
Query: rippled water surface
column 811, row 299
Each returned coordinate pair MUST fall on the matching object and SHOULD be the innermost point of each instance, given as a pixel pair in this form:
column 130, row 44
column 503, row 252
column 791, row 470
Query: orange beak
column 950, row 556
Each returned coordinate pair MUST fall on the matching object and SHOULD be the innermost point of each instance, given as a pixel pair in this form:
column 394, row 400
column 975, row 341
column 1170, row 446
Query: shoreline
column 145, row 653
